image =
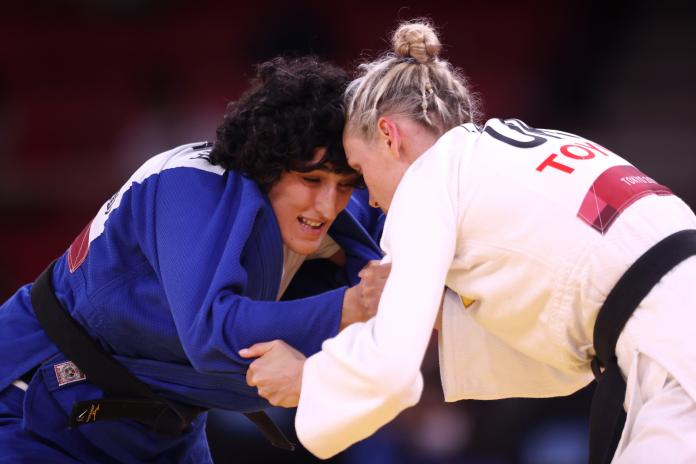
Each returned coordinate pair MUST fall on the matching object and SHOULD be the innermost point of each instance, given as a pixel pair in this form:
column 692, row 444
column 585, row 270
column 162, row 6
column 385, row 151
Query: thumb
column 256, row 350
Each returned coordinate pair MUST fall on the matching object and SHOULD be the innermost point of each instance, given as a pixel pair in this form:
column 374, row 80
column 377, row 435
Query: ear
column 389, row 133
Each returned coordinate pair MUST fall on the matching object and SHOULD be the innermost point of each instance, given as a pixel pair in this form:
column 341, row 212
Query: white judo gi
column 531, row 229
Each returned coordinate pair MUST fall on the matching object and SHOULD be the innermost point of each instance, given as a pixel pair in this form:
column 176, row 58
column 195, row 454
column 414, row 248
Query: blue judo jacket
column 176, row 272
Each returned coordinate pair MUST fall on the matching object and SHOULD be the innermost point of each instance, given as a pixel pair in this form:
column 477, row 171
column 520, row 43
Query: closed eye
column 346, row 186
column 354, row 182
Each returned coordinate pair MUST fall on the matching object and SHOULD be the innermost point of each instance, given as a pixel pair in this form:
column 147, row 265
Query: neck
column 416, row 139
column 420, row 143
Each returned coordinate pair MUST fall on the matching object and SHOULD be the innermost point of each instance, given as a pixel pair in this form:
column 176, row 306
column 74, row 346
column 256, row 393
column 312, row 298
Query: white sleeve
column 370, row 372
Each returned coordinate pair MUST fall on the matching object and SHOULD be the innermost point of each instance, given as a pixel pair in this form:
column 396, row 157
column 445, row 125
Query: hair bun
column 417, row 40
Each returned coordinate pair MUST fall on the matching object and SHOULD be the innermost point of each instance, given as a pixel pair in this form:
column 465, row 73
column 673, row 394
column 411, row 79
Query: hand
column 277, row 373
column 360, row 302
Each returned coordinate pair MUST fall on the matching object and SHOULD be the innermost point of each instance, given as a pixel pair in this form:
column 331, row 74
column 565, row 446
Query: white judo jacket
column 529, row 230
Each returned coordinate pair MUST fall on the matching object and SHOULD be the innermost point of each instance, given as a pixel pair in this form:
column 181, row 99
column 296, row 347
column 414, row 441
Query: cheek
column 281, row 214
column 287, row 224
column 371, row 182
column 289, row 200
column 343, row 200
column 284, row 209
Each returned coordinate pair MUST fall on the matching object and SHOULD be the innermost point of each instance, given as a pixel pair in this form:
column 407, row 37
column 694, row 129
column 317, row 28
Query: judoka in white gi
column 529, row 230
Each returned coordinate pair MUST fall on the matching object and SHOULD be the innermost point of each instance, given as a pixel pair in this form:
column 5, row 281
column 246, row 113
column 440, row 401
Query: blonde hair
column 410, row 81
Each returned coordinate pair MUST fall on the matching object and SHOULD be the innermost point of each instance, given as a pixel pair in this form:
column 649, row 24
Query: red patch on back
column 612, row 192
column 77, row 253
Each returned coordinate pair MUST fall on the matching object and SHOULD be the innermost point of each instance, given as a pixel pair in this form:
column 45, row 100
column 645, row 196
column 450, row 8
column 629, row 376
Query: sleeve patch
column 77, row 253
column 612, row 192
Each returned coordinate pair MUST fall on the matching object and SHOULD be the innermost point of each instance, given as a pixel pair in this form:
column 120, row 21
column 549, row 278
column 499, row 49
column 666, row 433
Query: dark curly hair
column 293, row 107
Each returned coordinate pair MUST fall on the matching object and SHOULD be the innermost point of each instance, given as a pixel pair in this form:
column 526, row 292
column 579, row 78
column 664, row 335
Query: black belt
column 607, row 415
column 126, row 396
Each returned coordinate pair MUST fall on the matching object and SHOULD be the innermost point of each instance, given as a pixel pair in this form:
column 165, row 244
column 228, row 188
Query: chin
column 305, row 248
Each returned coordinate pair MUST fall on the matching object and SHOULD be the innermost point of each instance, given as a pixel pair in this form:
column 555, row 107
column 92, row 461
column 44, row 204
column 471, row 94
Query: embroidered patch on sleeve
column 67, row 372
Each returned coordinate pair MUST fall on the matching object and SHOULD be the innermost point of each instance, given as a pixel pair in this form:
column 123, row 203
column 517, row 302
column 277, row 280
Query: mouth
column 310, row 223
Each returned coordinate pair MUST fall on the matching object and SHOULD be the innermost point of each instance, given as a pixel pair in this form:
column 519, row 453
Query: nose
column 327, row 203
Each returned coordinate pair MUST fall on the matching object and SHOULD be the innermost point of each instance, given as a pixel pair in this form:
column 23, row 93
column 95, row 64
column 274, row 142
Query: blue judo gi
column 177, row 272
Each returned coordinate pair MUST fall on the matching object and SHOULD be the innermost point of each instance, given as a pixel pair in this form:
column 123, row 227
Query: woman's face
column 306, row 203
column 380, row 170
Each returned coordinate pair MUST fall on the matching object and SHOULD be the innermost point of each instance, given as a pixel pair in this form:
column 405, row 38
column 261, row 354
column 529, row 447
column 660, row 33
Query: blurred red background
column 90, row 89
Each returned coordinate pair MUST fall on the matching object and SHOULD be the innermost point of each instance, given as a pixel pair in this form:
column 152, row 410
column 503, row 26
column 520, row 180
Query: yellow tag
column 93, row 413
column 467, row 301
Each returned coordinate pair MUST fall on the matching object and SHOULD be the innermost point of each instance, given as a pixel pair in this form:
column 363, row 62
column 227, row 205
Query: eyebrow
column 326, row 168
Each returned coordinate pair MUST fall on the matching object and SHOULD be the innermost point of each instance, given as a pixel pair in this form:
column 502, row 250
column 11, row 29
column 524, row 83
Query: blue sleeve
column 218, row 256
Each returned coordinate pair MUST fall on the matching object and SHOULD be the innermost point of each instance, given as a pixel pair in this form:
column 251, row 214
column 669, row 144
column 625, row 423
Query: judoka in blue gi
column 184, row 266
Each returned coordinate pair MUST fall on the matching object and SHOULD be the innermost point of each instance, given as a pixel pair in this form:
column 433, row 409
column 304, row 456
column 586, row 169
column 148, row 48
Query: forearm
column 303, row 323
column 214, row 337
column 357, row 404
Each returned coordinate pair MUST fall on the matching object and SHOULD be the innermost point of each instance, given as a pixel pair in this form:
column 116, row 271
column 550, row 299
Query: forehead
column 329, row 166
column 356, row 148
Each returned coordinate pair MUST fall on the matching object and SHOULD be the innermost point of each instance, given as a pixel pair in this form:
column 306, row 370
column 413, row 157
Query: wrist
column 298, row 383
column 349, row 302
